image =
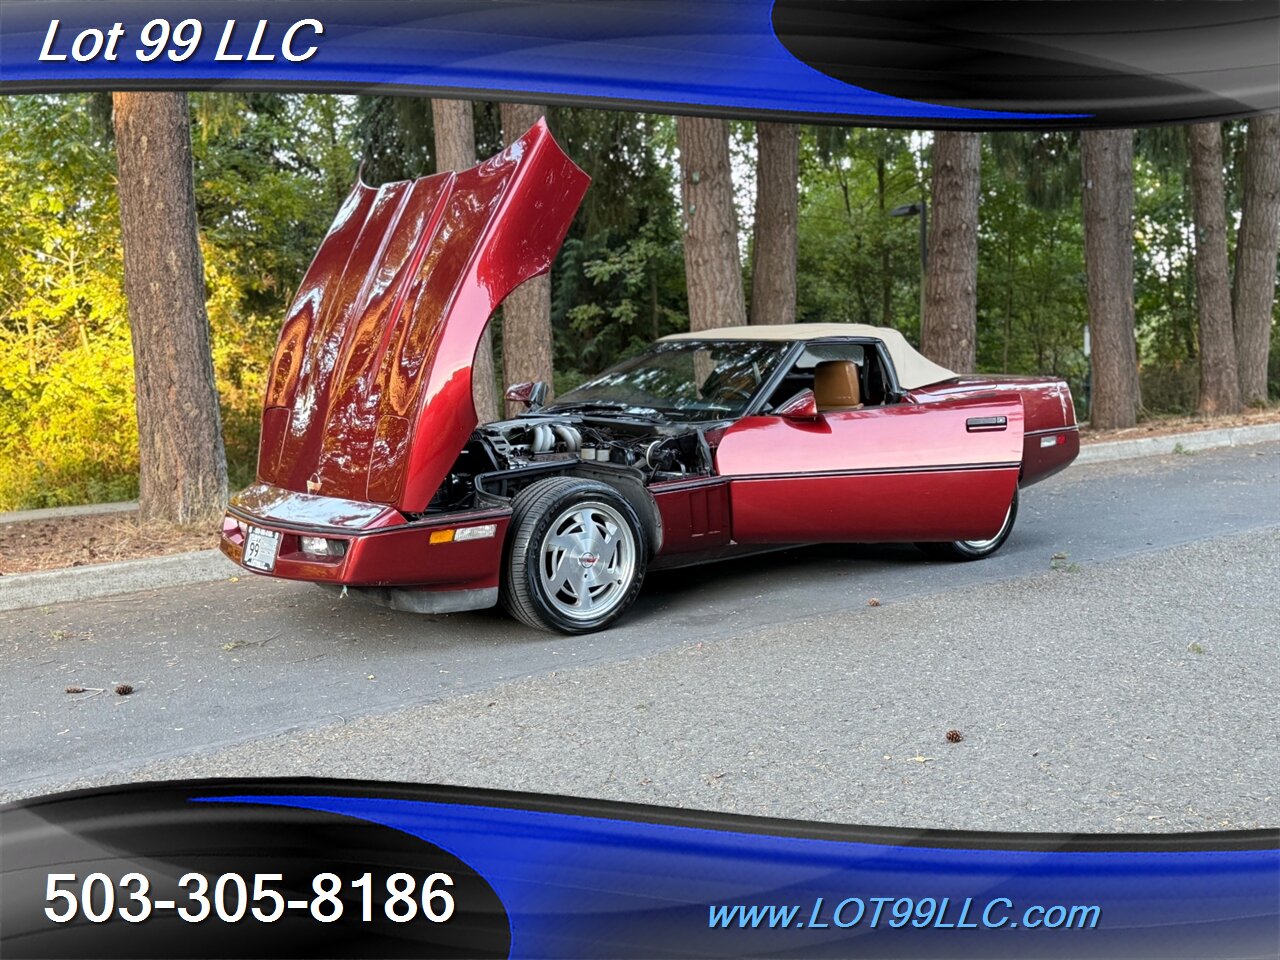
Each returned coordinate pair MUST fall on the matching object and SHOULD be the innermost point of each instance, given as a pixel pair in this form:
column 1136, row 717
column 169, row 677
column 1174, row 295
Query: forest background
column 271, row 169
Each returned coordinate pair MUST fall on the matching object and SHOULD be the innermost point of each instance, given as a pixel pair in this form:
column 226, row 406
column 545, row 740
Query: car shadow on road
column 705, row 593
column 701, row 590
column 790, row 565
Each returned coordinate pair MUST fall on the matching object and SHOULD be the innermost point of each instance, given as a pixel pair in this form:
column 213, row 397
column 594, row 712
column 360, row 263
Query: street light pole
column 921, row 209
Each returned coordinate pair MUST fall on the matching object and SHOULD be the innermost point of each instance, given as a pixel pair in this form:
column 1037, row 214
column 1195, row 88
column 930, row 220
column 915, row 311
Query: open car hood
column 369, row 392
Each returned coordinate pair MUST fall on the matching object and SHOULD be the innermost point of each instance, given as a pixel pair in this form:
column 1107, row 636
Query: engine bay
column 503, row 457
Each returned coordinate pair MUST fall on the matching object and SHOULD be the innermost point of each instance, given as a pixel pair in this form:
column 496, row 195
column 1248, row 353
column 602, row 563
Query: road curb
column 61, row 513
column 1177, row 443
column 107, row 579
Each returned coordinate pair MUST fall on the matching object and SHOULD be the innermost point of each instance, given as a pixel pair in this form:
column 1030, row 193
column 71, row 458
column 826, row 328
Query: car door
column 903, row 471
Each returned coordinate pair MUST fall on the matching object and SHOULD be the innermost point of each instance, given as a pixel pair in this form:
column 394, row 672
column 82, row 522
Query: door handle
column 985, row 424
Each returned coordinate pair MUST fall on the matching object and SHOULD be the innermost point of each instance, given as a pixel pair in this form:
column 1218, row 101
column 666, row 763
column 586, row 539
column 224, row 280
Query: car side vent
column 706, row 511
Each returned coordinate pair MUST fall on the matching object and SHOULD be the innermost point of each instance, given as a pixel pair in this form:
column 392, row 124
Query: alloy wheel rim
column 587, row 560
column 986, row 544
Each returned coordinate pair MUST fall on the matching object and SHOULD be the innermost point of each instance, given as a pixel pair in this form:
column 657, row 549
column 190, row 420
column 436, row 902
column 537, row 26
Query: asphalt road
column 1132, row 688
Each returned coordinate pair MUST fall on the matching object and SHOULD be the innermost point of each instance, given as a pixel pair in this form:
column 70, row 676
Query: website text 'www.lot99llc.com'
column 899, row 912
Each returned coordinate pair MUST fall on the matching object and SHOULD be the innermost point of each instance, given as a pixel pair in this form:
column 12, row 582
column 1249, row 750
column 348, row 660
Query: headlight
column 323, row 547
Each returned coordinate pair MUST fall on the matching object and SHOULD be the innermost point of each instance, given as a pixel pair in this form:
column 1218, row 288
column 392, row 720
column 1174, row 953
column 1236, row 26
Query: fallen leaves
column 61, row 635
column 237, row 644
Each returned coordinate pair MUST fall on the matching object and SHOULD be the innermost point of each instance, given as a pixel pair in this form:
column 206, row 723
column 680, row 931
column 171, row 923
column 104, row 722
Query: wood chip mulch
column 33, row 545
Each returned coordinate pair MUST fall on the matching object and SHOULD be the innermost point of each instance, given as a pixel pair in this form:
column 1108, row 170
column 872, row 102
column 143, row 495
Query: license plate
column 260, row 549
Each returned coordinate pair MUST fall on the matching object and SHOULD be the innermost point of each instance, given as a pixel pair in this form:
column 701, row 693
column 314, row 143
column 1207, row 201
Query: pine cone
column 124, row 689
column 954, row 736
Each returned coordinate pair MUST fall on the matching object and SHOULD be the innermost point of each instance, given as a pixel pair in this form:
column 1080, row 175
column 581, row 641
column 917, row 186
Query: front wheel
column 975, row 549
column 576, row 556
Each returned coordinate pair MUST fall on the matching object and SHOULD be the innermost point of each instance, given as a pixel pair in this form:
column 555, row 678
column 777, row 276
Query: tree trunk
column 1255, row 280
column 948, row 327
column 183, row 468
column 773, row 266
column 456, row 150
column 713, row 270
column 1106, row 158
column 1219, row 381
column 526, row 314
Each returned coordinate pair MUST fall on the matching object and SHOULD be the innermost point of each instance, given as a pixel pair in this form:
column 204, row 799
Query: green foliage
column 264, row 163
column 266, row 178
column 1031, row 290
column 618, row 282
column 396, row 137
column 1164, row 289
column 1164, row 281
column 855, row 262
column 270, row 169
column 67, row 428
column 1047, row 165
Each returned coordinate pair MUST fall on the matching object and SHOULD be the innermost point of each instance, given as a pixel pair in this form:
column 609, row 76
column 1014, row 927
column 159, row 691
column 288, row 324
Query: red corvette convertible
column 374, row 477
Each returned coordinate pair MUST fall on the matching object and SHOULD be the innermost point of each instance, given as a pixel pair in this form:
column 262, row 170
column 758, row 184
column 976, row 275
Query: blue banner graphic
column 304, row 868
column 909, row 62
column 572, row 883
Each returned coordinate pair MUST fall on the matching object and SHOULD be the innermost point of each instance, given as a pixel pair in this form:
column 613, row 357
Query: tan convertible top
column 913, row 370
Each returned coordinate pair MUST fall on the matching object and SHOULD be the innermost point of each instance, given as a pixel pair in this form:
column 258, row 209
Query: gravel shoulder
column 1125, row 696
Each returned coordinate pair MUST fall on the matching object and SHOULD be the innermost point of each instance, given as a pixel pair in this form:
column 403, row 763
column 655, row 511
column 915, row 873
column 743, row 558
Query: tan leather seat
column 835, row 386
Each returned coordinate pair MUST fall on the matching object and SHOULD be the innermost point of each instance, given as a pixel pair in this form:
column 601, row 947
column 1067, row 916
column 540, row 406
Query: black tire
column 974, row 549
column 555, row 509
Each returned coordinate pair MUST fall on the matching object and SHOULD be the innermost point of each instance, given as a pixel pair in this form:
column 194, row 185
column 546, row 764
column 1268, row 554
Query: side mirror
column 803, row 406
column 532, row 394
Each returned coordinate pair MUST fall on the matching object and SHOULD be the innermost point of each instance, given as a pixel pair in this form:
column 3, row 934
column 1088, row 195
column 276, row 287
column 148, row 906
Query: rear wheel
column 975, row 549
column 576, row 556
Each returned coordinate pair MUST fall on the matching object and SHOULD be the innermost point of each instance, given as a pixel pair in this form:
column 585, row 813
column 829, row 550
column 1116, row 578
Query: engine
column 660, row 451
column 502, row 457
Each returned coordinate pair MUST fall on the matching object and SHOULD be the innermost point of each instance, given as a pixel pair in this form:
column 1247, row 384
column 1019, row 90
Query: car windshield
column 682, row 380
